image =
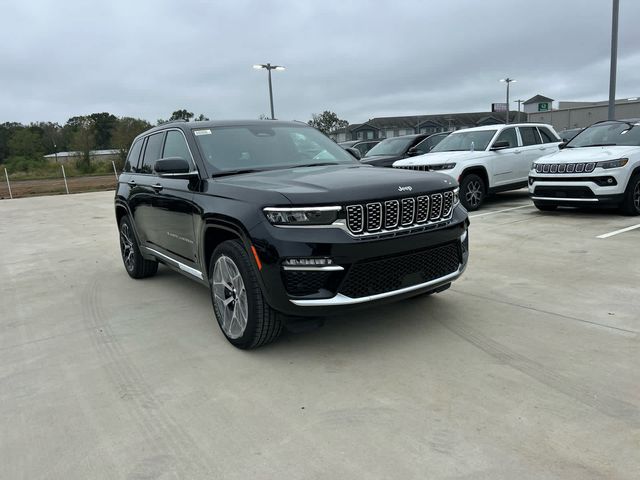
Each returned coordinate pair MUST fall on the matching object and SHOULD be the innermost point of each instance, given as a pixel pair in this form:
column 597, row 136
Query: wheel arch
column 477, row 170
column 218, row 230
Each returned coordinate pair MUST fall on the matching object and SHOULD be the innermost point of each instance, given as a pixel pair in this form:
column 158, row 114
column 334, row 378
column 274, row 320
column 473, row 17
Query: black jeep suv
column 281, row 223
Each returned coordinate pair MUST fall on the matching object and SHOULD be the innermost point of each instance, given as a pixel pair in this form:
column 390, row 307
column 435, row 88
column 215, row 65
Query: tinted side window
column 131, row 165
column 176, row 146
column 529, row 136
column 547, row 136
column 152, row 152
column 508, row 135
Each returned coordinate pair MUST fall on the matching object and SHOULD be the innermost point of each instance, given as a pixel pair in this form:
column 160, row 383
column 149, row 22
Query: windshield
column 465, row 141
column 266, row 147
column 610, row 133
column 391, row 146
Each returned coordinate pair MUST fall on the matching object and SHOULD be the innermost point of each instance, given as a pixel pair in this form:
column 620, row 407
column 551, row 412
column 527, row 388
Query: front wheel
column 631, row 203
column 545, row 207
column 472, row 191
column 243, row 314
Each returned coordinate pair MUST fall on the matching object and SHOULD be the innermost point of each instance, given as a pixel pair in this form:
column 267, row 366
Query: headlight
column 456, row 197
column 301, row 215
column 620, row 162
column 443, row 166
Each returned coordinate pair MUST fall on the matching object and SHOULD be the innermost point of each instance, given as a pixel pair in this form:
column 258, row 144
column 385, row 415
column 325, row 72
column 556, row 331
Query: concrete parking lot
column 527, row 368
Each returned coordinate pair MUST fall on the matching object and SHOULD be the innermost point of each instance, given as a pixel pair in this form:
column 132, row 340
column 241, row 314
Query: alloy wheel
column 126, row 247
column 230, row 297
column 473, row 195
column 636, row 196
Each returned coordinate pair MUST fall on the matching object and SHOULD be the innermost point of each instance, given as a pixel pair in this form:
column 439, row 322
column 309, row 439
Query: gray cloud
column 358, row 58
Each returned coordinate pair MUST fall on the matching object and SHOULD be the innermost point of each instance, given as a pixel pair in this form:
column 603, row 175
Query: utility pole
column 268, row 67
column 518, row 117
column 614, row 60
column 507, row 81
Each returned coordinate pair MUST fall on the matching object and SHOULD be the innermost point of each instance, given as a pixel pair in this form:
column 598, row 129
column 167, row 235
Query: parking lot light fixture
column 507, row 80
column 268, row 67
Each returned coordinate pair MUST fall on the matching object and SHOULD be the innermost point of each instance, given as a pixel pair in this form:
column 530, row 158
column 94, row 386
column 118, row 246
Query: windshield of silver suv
column 608, row 134
column 240, row 149
column 465, row 141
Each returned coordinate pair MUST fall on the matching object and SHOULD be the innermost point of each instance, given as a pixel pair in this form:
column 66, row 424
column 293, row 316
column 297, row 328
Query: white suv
column 599, row 166
column 488, row 159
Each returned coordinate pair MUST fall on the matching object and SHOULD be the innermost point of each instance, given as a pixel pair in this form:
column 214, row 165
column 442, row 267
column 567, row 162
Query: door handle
column 516, row 151
column 157, row 187
column 542, row 148
column 131, row 183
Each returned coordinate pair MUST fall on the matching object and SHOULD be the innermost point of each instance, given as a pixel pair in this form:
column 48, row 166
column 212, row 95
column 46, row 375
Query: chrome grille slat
column 374, row 216
column 399, row 214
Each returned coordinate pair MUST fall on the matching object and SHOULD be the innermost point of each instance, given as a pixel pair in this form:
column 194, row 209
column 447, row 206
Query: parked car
column 391, row 149
column 279, row 230
column 567, row 135
column 363, row 146
column 487, row 159
column 599, row 167
column 426, row 145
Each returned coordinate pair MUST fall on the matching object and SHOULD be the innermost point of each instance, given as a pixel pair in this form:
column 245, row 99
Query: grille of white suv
column 401, row 213
column 565, row 167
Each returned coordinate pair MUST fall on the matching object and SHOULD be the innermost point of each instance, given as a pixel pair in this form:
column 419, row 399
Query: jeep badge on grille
column 408, row 188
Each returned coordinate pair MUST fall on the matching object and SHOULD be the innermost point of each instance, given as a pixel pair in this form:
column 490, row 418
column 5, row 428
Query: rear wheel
column 545, row 207
column 631, row 203
column 135, row 264
column 472, row 191
column 242, row 312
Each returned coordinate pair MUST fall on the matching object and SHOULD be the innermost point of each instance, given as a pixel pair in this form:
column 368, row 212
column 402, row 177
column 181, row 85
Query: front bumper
column 599, row 188
column 348, row 254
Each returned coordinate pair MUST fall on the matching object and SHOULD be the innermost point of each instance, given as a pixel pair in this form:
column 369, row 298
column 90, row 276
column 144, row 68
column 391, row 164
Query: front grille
column 402, row 213
column 304, row 282
column 564, row 192
column 386, row 274
column 587, row 167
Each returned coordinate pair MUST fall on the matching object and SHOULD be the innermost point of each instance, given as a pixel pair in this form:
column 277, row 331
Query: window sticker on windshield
column 202, row 132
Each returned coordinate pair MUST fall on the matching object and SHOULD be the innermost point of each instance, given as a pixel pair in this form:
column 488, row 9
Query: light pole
column 507, row 81
column 614, row 60
column 268, row 67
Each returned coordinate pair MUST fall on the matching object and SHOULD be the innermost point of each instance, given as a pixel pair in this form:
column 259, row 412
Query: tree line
column 23, row 147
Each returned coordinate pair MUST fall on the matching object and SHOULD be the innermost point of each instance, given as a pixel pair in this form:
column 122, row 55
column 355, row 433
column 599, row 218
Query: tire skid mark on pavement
column 598, row 400
column 161, row 432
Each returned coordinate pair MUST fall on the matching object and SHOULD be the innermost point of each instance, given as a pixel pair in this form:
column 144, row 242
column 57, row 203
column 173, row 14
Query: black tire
column 545, row 207
column 472, row 191
column 134, row 263
column 631, row 203
column 262, row 323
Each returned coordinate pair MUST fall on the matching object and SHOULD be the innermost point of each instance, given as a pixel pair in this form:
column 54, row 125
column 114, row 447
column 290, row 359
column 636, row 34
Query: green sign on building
column 543, row 107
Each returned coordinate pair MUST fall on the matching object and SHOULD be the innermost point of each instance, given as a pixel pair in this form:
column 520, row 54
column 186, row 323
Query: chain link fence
column 16, row 186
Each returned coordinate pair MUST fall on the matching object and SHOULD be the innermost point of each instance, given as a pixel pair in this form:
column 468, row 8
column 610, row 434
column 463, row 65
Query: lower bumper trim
column 563, row 199
column 340, row 300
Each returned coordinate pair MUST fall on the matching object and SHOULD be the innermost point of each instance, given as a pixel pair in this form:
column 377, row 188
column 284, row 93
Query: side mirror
column 174, row 167
column 500, row 145
column 412, row 152
column 563, row 144
column 355, row 152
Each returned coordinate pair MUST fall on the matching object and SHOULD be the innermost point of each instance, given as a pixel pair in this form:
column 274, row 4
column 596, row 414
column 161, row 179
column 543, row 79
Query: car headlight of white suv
column 617, row 163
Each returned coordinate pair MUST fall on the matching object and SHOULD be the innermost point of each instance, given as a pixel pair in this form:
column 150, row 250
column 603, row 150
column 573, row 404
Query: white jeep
column 487, row 159
column 599, row 167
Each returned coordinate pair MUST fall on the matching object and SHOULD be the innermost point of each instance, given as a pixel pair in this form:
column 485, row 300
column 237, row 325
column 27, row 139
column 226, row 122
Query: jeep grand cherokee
column 280, row 222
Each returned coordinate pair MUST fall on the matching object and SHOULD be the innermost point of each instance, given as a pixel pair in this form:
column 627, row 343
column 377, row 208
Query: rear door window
column 530, row 136
column 152, row 152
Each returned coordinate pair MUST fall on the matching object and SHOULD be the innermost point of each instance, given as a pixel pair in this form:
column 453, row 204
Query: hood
column 332, row 184
column 588, row 154
column 378, row 160
column 437, row 158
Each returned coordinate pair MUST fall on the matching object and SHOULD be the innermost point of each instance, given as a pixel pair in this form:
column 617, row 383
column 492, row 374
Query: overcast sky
column 360, row 59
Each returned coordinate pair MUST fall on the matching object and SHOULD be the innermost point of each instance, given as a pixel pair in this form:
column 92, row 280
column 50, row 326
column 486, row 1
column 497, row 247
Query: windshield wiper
column 235, row 172
column 600, row 145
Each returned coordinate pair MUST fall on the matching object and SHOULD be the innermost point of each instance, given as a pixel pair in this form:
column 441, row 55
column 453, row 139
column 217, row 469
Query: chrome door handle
column 132, row 183
column 157, row 187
